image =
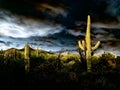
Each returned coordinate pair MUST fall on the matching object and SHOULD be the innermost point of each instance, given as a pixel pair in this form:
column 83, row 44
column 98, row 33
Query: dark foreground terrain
column 50, row 71
column 59, row 81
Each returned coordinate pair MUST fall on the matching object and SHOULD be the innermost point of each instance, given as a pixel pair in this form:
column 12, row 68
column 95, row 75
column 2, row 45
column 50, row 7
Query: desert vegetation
column 30, row 68
column 57, row 70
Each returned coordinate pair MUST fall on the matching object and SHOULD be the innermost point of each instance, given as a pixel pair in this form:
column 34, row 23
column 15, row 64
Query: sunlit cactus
column 27, row 57
column 86, row 45
column 14, row 53
column 27, row 51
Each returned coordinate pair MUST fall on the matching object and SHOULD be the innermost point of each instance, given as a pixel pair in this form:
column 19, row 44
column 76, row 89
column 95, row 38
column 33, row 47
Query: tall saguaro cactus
column 86, row 45
column 27, row 57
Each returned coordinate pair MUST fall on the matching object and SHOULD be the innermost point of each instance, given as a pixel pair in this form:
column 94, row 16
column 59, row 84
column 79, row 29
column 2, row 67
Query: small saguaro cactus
column 86, row 45
column 14, row 53
column 37, row 50
column 27, row 57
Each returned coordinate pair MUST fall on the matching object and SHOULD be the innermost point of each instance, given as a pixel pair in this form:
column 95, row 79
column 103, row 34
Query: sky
column 58, row 24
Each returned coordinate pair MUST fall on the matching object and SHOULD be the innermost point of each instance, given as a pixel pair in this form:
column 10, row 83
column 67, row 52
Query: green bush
column 106, row 62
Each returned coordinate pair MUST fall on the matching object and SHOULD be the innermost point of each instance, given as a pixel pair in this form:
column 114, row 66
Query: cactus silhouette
column 27, row 57
column 86, row 45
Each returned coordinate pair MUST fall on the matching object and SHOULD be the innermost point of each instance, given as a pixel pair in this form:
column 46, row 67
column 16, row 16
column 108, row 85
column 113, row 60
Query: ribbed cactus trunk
column 14, row 53
column 27, row 57
column 86, row 45
column 37, row 51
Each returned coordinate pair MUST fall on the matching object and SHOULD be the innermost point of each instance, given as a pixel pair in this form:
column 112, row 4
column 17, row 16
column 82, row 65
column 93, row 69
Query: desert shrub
column 95, row 63
column 69, row 57
column 52, row 58
column 35, row 61
column 105, row 62
column 117, row 63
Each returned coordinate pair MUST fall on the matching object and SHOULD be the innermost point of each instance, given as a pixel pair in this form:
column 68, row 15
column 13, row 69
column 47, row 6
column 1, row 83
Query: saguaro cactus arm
column 96, row 46
column 81, row 45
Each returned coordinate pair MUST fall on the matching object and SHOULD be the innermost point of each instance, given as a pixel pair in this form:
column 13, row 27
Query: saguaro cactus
column 27, row 57
column 86, row 45
column 14, row 53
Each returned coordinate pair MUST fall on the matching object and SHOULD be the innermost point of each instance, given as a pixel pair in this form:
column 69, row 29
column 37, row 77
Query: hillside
column 57, row 71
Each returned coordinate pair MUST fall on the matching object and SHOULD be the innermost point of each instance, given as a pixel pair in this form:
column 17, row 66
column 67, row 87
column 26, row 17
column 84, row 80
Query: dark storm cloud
column 114, row 8
column 48, row 17
column 51, row 10
column 28, row 8
column 100, row 10
column 21, row 27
